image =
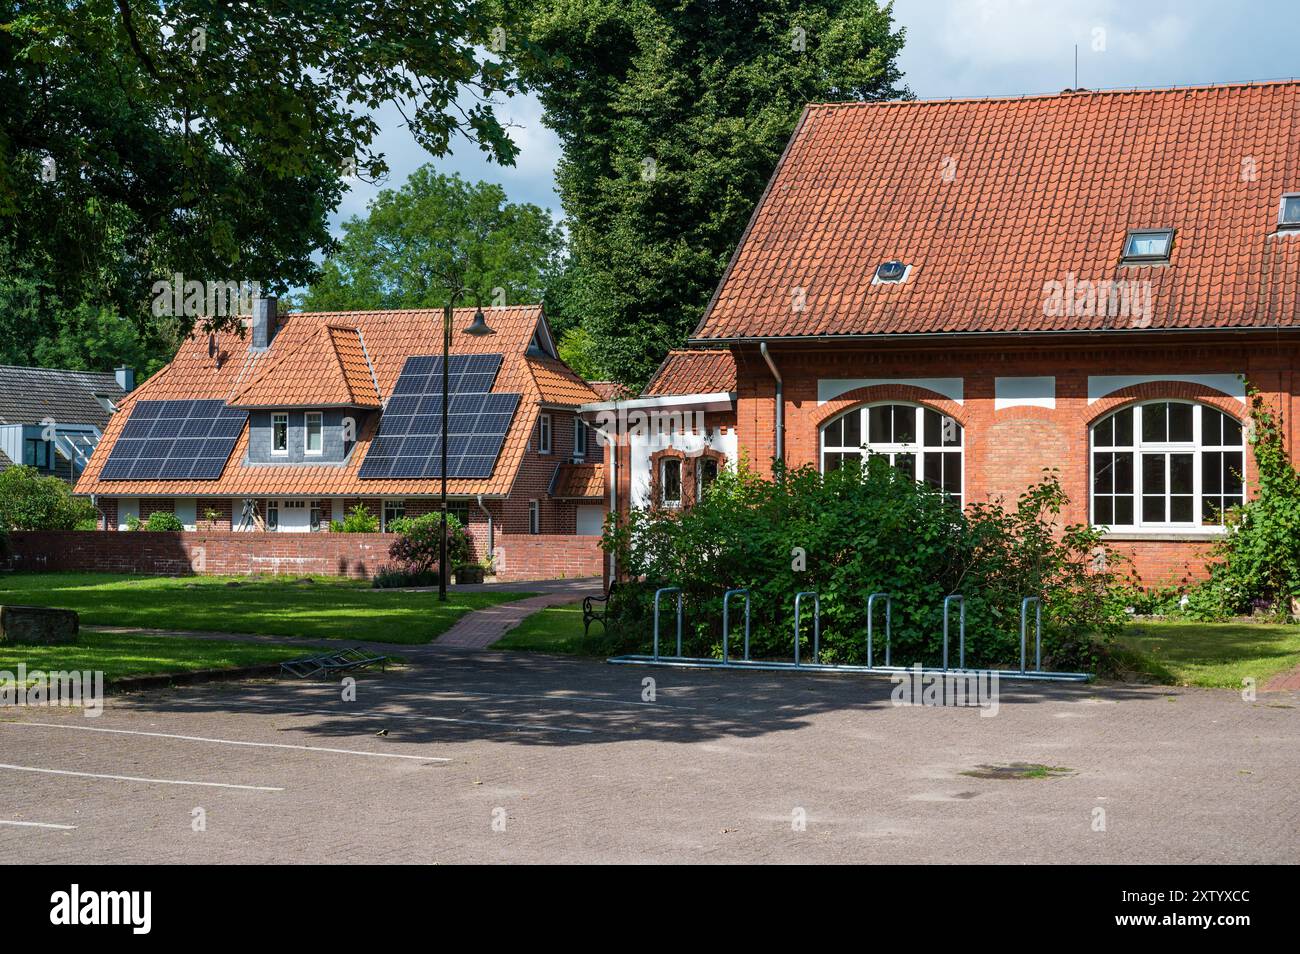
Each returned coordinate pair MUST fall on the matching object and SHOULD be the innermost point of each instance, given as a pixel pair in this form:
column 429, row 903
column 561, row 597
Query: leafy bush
column 30, row 501
column 417, row 547
column 357, row 520
column 1256, row 566
column 849, row 533
column 160, row 521
column 395, row 576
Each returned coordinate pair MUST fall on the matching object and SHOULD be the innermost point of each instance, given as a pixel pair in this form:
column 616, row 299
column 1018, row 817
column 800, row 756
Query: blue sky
column 965, row 48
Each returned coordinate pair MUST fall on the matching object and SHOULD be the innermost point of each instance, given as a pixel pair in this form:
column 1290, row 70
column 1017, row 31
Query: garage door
column 591, row 520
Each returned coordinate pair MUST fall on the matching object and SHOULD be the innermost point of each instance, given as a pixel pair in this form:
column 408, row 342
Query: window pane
column 834, row 434
column 1181, row 478
column 904, row 424
column 1231, row 432
column 1211, row 427
column 1103, row 510
column 672, row 480
column 1103, row 473
column 906, row 463
column 1212, row 472
column 1153, row 509
column 831, row 461
column 1124, row 511
column 1180, row 509
column 852, row 429
column 1180, row 423
column 1123, row 473
column 1103, row 435
column 933, row 429
column 1232, row 473
column 1291, row 210
column 1152, row 243
column 880, row 428
column 1154, row 422
column 1124, row 427
column 934, row 470
column 952, row 473
column 1210, row 510
column 1153, row 473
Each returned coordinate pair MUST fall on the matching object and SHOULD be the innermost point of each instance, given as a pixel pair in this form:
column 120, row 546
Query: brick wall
column 1006, row 449
column 360, row 555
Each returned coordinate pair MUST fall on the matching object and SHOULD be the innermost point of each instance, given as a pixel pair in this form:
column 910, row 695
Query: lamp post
column 477, row 328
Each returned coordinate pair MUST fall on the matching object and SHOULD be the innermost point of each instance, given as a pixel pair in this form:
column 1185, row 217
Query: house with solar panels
column 52, row 419
column 287, row 424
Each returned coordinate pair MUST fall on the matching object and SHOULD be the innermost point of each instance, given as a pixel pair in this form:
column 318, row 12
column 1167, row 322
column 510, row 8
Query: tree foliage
column 432, row 228
column 848, row 534
column 29, row 501
column 138, row 139
column 671, row 117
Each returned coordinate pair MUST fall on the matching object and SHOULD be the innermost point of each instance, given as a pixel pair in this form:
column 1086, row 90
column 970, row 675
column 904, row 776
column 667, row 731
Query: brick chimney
column 264, row 323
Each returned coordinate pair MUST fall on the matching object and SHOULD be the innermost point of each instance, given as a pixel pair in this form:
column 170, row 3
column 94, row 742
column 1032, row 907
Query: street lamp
column 477, row 328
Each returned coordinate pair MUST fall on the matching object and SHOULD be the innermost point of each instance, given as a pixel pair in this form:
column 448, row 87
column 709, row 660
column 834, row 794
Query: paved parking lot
column 517, row 758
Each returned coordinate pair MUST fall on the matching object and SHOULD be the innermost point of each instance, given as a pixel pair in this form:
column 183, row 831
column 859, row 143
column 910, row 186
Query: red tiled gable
column 312, row 366
column 557, row 384
column 990, row 200
column 390, row 337
column 609, row 390
column 694, row 372
column 578, row 482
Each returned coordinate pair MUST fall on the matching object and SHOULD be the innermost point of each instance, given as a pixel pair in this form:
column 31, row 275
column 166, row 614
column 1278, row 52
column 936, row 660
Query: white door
column 295, row 517
column 591, row 520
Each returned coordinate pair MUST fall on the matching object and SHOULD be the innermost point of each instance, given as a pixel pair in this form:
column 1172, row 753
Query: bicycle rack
column 726, row 662
column 817, row 625
column 1038, row 631
column 961, row 624
column 889, row 614
column 658, row 593
column 726, row 621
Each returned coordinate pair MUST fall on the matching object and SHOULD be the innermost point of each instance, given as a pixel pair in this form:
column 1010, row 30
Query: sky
column 960, row 48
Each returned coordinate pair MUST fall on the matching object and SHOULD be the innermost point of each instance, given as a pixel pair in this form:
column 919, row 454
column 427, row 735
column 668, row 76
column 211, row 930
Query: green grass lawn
column 121, row 655
column 555, row 630
column 328, row 608
column 1210, row 654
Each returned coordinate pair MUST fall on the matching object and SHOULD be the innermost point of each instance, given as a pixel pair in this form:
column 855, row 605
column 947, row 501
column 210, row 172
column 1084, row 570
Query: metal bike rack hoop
column 726, row 620
column 889, row 613
column 1038, row 631
column 659, row 592
column 961, row 658
column 817, row 624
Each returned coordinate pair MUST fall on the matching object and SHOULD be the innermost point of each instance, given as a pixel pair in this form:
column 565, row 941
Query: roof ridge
column 1062, row 94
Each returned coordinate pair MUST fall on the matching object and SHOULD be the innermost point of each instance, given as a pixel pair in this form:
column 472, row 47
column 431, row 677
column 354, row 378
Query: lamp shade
column 479, row 327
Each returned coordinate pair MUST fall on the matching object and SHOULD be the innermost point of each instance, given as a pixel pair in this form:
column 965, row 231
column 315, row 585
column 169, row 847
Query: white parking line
column 271, row 708
column 23, row 824
column 136, row 778
column 260, row 745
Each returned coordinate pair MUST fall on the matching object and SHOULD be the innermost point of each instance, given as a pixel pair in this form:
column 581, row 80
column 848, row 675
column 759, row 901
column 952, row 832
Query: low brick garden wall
column 358, row 555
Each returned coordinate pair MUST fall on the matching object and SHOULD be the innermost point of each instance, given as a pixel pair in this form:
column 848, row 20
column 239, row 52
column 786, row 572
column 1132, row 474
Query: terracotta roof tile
column 694, row 372
column 389, row 339
column 610, row 390
column 557, row 384
column 578, row 482
column 991, row 200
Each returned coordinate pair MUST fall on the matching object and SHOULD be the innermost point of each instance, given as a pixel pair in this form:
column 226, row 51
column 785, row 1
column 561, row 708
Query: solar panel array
column 175, row 440
column 409, row 442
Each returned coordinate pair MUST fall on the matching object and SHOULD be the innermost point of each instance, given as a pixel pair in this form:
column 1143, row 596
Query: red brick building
column 331, row 411
column 981, row 289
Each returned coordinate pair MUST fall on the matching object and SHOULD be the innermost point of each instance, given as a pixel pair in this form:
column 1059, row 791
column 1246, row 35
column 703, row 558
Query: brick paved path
column 481, row 628
column 1284, row 681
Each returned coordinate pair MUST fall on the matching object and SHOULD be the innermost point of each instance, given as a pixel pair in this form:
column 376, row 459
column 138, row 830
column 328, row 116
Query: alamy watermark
column 83, row 689
column 191, row 298
column 964, row 688
column 1111, row 298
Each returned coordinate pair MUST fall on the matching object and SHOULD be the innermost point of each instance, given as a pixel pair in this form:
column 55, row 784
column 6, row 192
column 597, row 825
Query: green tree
column 401, row 253
column 142, row 139
column 29, row 501
column 671, row 116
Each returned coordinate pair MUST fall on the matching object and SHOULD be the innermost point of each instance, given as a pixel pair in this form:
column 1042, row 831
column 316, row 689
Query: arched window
column 921, row 442
column 1166, row 464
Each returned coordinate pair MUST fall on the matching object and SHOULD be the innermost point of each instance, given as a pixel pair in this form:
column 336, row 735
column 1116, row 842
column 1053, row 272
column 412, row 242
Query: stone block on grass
column 38, row 625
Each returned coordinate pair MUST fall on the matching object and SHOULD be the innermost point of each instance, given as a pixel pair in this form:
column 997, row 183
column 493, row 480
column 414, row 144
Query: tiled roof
column 557, row 384
column 578, row 482
column 313, row 366
column 390, row 338
column 991, row 200
column 610, row 390
column 694, row 372
column 30, row 395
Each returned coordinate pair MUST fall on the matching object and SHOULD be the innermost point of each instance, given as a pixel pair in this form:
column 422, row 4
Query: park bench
column 595, row 609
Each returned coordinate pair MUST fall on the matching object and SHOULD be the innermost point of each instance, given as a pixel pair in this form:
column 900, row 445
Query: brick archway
column 889, row 394
column 1162, row 390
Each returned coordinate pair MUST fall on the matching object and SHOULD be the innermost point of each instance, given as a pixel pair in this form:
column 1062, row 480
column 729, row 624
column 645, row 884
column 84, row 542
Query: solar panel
column 409, row 442
column 175, row 440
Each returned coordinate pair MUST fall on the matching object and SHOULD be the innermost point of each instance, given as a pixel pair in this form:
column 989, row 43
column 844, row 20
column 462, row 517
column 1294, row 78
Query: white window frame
column 1138, row 258
column 663, row 483
column 917, row 449
column 544, row 434
column 534, row 517
column 272, row 516
column 306, row 433
column 316, row 521
column 280, row 417
column 1142, row 449
column 396, row 503
column 700, row 463
column 581, row 439
column 1283, row 222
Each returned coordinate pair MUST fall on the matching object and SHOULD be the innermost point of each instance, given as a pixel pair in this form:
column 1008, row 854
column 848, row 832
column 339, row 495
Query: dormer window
column 1288, row 213
column 891, row 272
column 1148, row 245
